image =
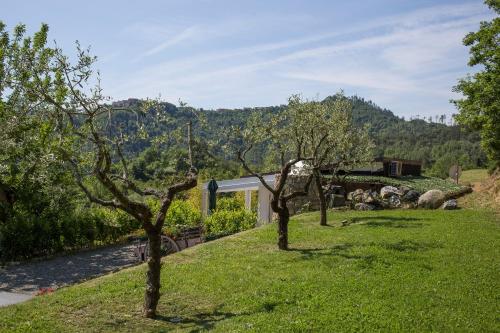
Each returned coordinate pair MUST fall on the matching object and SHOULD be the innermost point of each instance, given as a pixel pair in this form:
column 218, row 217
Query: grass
column 421, row 184
column 486, row 194
column 473, row 176
column 388, row 271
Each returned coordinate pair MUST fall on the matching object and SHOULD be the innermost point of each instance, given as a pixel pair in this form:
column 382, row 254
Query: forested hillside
column 438, row 145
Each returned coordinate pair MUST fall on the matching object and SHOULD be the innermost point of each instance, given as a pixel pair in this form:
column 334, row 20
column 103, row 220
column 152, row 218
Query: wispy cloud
column 389, row 57
column 171, row 41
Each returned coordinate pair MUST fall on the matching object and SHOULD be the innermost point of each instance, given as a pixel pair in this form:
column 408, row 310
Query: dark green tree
column 480, row 107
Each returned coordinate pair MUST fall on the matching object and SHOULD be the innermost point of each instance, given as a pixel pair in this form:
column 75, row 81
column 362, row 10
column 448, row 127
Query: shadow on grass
column 367, row 259
column 388, row 221
column 200, row 322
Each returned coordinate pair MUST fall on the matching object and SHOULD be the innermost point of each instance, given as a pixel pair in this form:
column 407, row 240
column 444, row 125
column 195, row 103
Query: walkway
column 26, row 279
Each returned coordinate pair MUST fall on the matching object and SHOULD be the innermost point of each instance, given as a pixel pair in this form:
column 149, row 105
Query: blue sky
column 404, row 55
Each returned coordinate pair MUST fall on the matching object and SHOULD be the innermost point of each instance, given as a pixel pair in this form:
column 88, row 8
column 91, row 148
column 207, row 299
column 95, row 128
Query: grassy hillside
column 473, row 176
column 486, row 190
column 388, row 271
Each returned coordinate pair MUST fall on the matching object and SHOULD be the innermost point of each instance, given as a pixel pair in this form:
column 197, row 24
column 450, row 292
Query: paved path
column 12, row 298
column 26, row 279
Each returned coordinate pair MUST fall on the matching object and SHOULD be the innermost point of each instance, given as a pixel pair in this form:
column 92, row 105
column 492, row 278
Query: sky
column 404, row 55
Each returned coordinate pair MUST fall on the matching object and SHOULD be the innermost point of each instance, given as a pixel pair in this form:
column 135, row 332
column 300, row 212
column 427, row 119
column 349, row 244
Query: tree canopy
column 480, row 107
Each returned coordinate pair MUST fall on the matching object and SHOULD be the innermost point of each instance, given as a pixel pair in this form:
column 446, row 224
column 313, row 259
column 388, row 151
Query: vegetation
column 69, row 97
column 388, row 271
column 480, row 109
column 28, row 235
column 431, row 142
column 418, row 183
column 473, row 176
column 333, row 142
column 486, row 194
column 294, row 137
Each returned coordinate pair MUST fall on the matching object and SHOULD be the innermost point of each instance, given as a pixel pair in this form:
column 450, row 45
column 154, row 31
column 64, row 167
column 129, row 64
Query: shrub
column 181, row 214
column 25, row 234
column 230, row 203
column 229, row 221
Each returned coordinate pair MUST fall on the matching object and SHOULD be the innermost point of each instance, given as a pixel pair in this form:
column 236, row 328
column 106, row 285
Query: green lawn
column 389, row 271
column 473, row 176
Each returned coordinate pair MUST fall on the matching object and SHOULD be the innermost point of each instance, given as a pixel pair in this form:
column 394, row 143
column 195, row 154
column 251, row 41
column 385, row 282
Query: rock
column 450, row 204
column 410, row 196
column 387, row 191
column 356, row 196
column 431, row 199
column 394, row 201
column 404, row 189
column 384, row 204
column 408, row 205
column 369, row 197
column 363, row 206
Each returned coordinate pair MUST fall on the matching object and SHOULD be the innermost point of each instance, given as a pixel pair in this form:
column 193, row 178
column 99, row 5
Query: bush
column 181, row 214
column 24, row 234
column 229, row 221
column 230, row 203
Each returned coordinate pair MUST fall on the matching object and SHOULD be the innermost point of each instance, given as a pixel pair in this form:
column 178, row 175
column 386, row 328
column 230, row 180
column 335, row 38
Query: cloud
column 392, row 57
column 182, row 36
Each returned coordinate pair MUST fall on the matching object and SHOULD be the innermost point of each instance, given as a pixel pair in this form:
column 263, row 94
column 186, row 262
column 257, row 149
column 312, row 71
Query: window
column 395, row 168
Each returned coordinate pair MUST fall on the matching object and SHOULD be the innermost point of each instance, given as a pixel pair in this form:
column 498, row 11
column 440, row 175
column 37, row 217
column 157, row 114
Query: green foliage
column 182, row 213
column 230, row 217
column 230, row 203
column 227, row 222
column 480, row 109
column 27, row 235
column 419, row 183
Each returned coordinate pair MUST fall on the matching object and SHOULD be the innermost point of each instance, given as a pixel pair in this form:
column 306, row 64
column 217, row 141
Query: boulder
column 356, row 196
column 431, row 199
column 450, row 204
column 410, row 196
column 387, row 191
column 394, row 201
column 363, row 206
column 404, row 189
column 409, row 205
column 370, row 197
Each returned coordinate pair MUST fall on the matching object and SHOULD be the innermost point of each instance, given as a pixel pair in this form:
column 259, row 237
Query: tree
column 480, row 107
column 287, row 133
column 91, row 145
column 334, row 142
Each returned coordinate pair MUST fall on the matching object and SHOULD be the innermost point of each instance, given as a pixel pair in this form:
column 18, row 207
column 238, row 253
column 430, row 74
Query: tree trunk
column 152, row 294
column 283, row 219
column 322, row 199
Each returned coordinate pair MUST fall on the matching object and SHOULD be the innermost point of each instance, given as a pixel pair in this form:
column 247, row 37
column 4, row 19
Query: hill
column 437, row 145
column 389, row 271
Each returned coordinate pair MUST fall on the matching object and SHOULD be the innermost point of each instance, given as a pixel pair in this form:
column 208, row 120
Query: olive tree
column 334, row 143
column 287, row 134
column 89, row 141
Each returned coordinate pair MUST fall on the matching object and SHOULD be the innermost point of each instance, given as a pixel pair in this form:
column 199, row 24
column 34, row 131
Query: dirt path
column 62, row 271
